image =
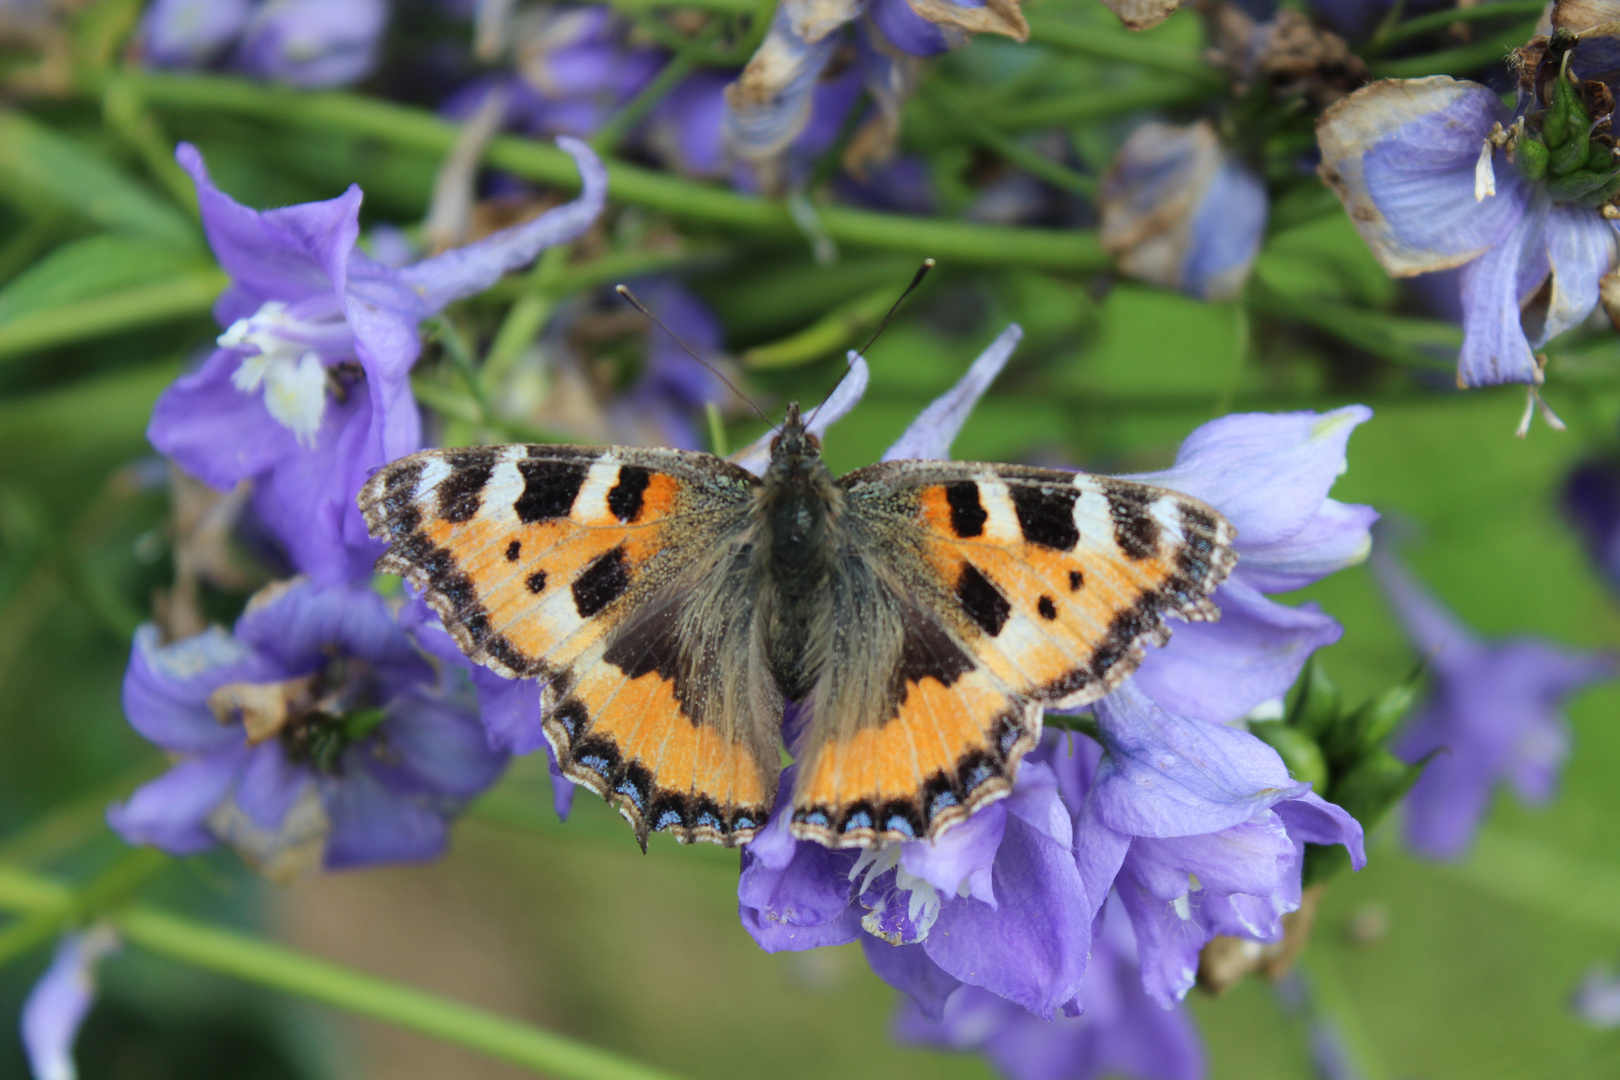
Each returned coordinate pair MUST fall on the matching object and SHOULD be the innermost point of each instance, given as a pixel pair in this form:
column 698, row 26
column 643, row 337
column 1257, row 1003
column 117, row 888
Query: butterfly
column 922, row 614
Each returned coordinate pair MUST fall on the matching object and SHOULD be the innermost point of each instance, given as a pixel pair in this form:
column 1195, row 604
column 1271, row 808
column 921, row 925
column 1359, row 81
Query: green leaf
column 1325, row 257
column 1297, row 749
column 39, row 166
column 91, row 267
column 1316, row 701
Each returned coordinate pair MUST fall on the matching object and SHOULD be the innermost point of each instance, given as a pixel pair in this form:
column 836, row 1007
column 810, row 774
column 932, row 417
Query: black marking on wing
column 1046, row 515
column 967, row 509
column 1047, row 608
column 513, row 550
column 462, row 492
column 927, row 651
column 1135, row 531
column 624, row 498
column 1076, row 579
column 536, row 582
column 602, row 582
column 549, row 489
column 981, row 600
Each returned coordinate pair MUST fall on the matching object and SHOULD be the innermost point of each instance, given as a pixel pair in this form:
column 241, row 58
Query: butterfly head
column 794, row 446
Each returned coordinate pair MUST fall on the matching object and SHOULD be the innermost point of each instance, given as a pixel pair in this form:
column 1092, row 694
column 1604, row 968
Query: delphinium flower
column 1200, row 830
column 1181, row 211
column 1123, row 1031
column 1592, row 503
column 772, row 101
column 1197, row 825
column 508, row 708
column 314, row 734
column 60, row 1001
column 1597, row 999
column 572, row 68
column 309, row 389
column 1437, row 173
column 1494, row 715
column 312, row 43
column 1270, row 474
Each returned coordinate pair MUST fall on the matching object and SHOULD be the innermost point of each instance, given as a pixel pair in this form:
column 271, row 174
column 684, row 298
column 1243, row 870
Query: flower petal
column 1580, row 249
column 1167, row 775
column 1268, row 473
column 172, row 811
column 1311, row 819
column 1339, row 536
column 166, row 687
column 1032, row 947
column 1401, row 154
column 1494, row 289
column 845, row 396
column 371, row 823
column 1220, row 671
column 908, row 969
column 59, row 1002
column 929, row 437
column 463, row 271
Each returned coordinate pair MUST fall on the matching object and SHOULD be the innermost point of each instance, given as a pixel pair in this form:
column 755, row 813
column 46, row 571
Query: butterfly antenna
column 636, row 303
column 916, row 279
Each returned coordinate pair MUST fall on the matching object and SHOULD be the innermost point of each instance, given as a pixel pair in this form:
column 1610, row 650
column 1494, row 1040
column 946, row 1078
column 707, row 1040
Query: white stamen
column 1183, row 907
column 286, row 366
column 1485, row 172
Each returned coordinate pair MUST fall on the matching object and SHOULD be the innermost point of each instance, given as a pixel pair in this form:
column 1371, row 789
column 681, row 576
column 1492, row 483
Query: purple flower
column 191, row 33
column 509, row 708
column 1597, row 999
column 1592, row 501
column 59, row 1002
column 1122, row 1032
column 997, row 902
column 1423, row 168
column 574, row 70
column 1270, row 474
column 312, row 43
column 1493, row 714
column 1200, row 830
column 1179, row 210
column 314, row 734
column 309, row 390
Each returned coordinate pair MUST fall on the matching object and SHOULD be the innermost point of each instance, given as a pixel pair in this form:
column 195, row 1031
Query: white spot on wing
column 591, row 503
column 434, row 473
column 1001, row 525
column 504, row 488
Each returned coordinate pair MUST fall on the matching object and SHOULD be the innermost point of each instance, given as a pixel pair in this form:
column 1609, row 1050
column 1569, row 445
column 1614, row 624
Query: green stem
column 1459, row 61
column 1088, row 41
column 1392, row 337
column 187, row 295
column 227, row 952
column 1086, row 105
column 417, row 129
column 1439, row 20
column 621, row 123
column 1031, row 161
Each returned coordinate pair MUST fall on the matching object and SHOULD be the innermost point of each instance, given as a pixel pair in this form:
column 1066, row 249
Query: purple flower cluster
column 1438, row 174
column 1493, row 716
column 311, row 43
column 1194, row 827
column 320, row 731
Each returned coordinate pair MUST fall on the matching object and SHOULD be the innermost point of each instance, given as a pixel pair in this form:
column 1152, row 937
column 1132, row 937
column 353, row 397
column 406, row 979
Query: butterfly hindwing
column 602, row 572
column 1006, row 589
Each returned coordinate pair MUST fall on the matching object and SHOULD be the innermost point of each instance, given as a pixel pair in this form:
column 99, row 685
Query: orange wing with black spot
column 592, row 569
column 971, row 596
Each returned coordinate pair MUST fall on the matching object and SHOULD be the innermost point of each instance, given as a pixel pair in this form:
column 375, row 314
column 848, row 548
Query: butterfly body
column 921, row 614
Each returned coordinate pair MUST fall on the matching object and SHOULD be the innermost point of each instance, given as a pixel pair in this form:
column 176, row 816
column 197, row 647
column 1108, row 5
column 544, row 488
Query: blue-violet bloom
column 1181, row 211
column 1199, row 829
column 1423, row 168
column 1270, row 474
column 1122, row 1032
column 313, row 734
column 1494, row 714
column 309, row 389
column 59, row 1002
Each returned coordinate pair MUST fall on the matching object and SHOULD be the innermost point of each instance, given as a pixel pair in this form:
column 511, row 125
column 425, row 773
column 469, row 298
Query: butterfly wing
column 976, row 595
column 614, row 575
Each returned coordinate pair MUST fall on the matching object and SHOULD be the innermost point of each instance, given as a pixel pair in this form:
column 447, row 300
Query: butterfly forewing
column 603, row 572
column 1007, row 589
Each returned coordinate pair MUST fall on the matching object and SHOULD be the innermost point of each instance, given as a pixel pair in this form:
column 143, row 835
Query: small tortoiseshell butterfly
column 923, row 612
